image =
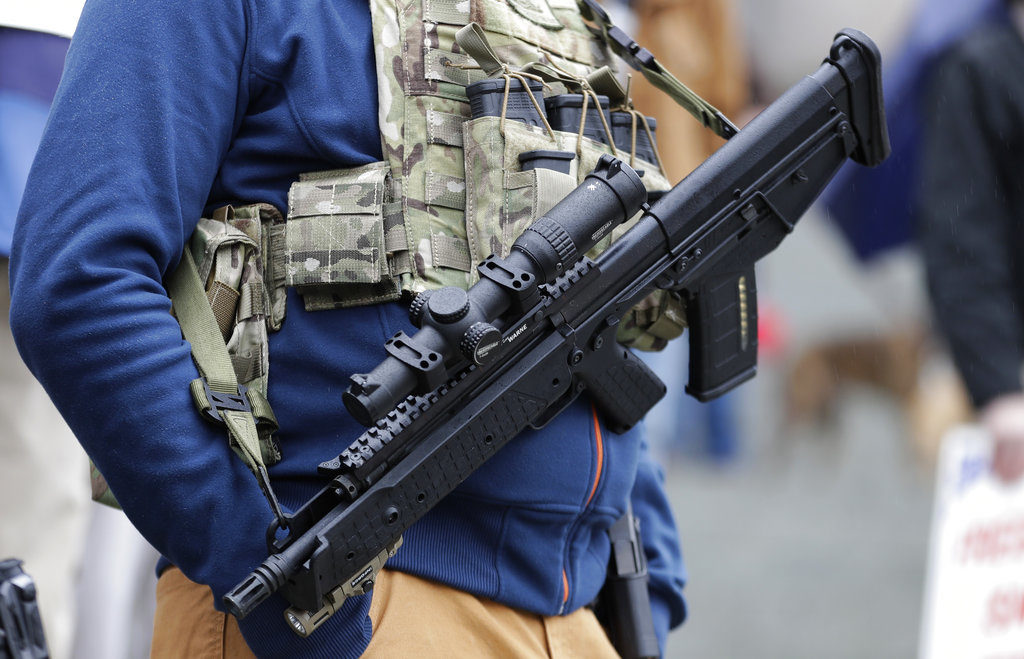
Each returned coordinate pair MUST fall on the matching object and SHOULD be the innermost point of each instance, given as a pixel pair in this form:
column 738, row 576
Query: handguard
column 538, row 329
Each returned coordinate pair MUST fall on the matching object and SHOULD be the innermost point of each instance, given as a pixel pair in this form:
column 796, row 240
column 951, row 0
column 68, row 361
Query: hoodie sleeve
column 151, row 97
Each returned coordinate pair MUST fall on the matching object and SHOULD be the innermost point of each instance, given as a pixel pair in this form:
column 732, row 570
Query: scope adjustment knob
column 479, row 342
column 417, row 307
column 448, row 304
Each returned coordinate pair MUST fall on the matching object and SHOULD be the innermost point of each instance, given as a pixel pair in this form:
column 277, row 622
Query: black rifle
column 21, row 627
column 539, row 328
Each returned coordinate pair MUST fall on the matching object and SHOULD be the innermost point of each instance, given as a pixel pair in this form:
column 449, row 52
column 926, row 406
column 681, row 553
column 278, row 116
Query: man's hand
column 1004, row 419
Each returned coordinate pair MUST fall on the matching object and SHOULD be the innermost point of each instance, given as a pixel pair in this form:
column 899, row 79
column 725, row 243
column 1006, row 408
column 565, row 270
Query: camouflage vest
column 238, row 255
column 450, row 190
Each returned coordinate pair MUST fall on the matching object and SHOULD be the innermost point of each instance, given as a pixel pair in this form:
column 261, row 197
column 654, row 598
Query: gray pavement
column 814, row 543
column 818, row 553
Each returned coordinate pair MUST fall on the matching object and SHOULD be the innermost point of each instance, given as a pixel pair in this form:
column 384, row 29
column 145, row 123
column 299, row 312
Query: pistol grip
column 722, row 317
column 622, row 387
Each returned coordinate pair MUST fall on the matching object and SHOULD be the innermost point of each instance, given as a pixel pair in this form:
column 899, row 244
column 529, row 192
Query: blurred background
column 804, row 497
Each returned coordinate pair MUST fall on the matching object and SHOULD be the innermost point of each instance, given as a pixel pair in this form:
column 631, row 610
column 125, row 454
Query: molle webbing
column 422, row 74
column 451, row 189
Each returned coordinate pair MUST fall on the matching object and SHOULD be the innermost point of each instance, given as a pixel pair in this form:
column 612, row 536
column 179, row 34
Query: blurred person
column 877, row 210
column 168, row 111
column 971, row 221
column 874, row 207
column 44, row 491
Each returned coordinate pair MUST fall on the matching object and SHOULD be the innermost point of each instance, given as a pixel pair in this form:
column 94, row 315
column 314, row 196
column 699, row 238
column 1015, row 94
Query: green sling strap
column 216, row 393
column 643, row 61
column 473, row 42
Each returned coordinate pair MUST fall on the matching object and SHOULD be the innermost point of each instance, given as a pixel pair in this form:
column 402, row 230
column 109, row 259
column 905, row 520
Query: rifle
column 21, row 627
column 538, row 329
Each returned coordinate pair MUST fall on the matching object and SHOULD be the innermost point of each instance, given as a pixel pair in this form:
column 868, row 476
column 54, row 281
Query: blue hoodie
column 170, row 109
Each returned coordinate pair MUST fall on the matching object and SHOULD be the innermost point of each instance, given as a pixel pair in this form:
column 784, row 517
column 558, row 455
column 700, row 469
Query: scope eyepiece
column 610, row 195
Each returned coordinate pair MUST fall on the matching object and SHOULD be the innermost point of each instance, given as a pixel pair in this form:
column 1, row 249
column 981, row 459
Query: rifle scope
column 456, row 324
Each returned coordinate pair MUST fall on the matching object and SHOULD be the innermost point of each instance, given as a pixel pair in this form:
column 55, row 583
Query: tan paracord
column 588, row 93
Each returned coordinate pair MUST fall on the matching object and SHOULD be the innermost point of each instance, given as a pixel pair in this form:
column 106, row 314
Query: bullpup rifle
column 538, row 329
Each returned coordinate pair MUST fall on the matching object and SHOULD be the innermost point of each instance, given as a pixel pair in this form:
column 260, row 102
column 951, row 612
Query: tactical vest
column 449, row 192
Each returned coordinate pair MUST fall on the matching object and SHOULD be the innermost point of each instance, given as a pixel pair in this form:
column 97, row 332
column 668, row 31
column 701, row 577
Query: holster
column 624, row 605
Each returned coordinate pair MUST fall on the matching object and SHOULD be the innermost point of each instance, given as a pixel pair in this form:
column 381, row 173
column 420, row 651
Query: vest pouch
column 502, row 199
column 240, row 263
column 239, row 256
column 336, row 253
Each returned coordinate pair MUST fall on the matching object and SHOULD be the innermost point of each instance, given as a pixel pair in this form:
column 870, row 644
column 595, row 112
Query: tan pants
column 411, row 617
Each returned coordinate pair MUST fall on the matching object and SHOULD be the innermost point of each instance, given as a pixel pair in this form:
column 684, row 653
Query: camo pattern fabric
column 650, row 325
column 100, row 490
column 229, row 253
column 242, row 266
column 336, row 249
column 239, row 254
column 422, row 75
column 458, row 184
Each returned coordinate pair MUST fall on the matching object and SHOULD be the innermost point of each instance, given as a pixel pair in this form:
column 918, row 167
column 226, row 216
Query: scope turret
column 456, row 325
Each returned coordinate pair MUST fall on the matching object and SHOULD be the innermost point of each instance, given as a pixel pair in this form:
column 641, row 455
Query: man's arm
column 150, row 101
column 968, row 236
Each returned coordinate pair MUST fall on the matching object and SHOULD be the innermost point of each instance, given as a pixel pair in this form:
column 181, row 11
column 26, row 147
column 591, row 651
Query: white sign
column 54, row 16
column 974, row 596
